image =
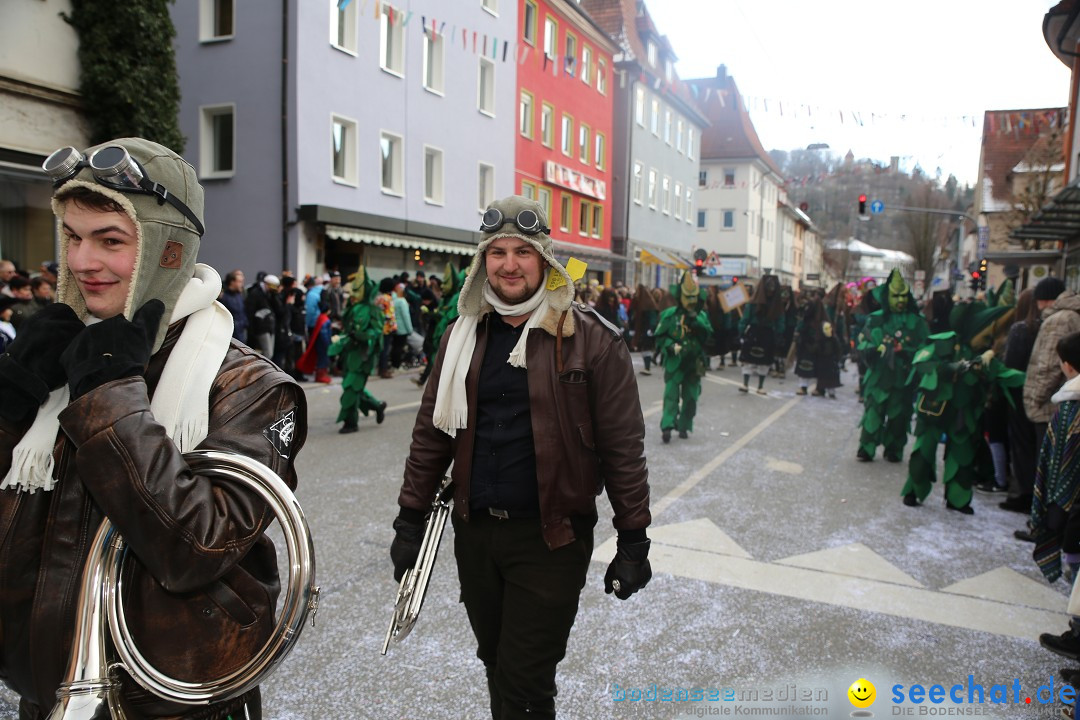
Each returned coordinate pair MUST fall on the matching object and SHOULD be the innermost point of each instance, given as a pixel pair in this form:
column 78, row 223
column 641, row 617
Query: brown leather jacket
column 588, row 430
column 212, row 603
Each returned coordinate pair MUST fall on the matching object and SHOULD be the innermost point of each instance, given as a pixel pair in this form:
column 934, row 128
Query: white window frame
column 551, row 37
column 208, row 20
column 597, row 224
column 349, row 150
column 485, row 101
column 209, row 165
column 547, row 125
column 690, row 143
column 543, row 196
column 651, row 51
column 566, row 211
column 689, row 204
column 492, row 6
column 485, row 185
column 526, row 115
column 639, row 182
column 678, row 200
column 346, row 18
column 434, row 59
column 586, row 64
column 600, row 150
column 679, row 135
column 665, row 189
column 388, row 33
column 397, row 164
column 601, row 76
column 567, row 140
column 654, row 117
column 639, row 105
column 570, row 60
column 433, row 176
column 653, row 187
column 583, row 145
column 528, row 30
column 667, row 125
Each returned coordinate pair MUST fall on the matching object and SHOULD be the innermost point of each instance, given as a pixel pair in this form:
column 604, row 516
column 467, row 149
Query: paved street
column 783, row 571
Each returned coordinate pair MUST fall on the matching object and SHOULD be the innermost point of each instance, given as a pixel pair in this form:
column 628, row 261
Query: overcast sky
column 917, row 74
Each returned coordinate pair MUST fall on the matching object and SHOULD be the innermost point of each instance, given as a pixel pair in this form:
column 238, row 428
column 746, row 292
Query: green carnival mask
column 898, row 293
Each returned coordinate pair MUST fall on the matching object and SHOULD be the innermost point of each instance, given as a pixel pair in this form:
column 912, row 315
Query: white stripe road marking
column 688, row 484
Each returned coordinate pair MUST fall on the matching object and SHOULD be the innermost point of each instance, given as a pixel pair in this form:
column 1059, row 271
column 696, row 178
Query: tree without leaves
column 1038, row 179
column 128, row 70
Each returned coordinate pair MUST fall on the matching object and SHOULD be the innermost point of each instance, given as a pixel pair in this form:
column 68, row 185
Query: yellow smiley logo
column 862, row 693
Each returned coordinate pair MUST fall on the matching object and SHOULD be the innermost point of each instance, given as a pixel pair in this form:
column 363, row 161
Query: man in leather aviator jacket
column 102, row 393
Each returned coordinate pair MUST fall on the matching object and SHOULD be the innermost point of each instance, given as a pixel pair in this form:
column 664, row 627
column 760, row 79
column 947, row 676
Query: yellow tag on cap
column 574, row 268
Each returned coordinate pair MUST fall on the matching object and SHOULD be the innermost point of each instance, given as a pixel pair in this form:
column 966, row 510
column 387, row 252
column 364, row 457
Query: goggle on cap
column 523, row 219
column 168, row 237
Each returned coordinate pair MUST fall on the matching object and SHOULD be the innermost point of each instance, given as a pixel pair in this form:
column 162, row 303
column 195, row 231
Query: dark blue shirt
column 504, row 458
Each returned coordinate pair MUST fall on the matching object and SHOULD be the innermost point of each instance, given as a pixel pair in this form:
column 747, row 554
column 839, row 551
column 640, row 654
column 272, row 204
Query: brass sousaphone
column 91, row 688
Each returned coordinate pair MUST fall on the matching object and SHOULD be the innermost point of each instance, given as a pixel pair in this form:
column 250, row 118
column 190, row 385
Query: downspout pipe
column 285, row 134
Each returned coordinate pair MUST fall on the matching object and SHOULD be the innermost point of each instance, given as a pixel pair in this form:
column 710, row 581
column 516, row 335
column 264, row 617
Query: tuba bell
column 91, row 689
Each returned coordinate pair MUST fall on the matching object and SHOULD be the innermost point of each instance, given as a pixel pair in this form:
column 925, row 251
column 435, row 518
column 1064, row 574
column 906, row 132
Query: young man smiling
column 535, row 403
column 102, row 393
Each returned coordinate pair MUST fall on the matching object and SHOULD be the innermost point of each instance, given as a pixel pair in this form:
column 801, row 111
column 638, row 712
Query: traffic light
column 416, row 258
column 976, row 280
column 862, row 204
column 982, row 273
column 699, row 260
column 734, row 279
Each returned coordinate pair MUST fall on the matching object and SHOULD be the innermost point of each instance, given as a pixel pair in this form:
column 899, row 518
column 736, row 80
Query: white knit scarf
column 451, row 402
column 181, row 402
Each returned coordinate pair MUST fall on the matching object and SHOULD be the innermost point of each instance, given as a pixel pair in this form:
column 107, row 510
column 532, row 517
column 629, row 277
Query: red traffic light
column 975, row 274
column 862, row 198
column 699, row 262
column 862, row 204
column 734, row 279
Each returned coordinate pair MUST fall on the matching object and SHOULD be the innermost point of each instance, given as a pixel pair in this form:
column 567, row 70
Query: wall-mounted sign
column 574, row 180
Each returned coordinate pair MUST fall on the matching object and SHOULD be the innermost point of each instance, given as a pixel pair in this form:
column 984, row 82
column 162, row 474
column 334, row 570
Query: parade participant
column 761, row 329
column 445, row 313
column 681, row 334
column 644, row 315
column 887, row 343
column 132, row 366
column 359, row 346
column 954, row 374
column 808, row 339
column 535, row 402
column 785, row 340
column 866, row 305
column 834, row 354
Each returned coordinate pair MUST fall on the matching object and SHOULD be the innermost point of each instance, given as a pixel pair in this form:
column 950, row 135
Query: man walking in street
column 535, row 427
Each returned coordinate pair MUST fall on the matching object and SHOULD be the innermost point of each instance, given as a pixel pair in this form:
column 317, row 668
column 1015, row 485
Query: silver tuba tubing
column 91, row 689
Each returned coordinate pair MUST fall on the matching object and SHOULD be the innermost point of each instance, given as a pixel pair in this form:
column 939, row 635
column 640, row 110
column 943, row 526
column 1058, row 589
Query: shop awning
column 658, row 257
column 1057, row 221
column 374, row 237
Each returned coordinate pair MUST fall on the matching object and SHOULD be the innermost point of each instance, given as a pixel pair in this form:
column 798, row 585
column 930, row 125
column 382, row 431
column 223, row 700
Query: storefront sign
column 573, row 180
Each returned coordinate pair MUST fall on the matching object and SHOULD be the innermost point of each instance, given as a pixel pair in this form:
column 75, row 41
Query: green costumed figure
column 956, row 374
column 446, row 312
column 888, row 341
column 359, row 345
column 681, row 334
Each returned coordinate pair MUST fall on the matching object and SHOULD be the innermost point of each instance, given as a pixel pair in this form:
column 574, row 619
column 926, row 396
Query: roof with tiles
column 732, row 135
column 1009, row 136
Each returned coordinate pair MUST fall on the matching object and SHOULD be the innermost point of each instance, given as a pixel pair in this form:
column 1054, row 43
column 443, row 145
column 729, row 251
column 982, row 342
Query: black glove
column 630, row 569
column 405, row 549
column 112, row 349
column 31, row 367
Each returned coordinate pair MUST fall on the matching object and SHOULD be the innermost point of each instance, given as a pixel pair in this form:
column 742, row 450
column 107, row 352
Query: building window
column 391, row 40
column 702, row 178
column 667, row 126
column 654, row 118
column 528, row 28
column 689, row 204
column 729, row 177
column 547, row 125
column 543, row 196
column 342, row 26
column 433, row 175
column 433, row 62
column 665, row 190
column 584, row 216
column 678, row 134
column 486, row 87
column 652, row 53
column 586, row 64
column 690, row 143
column 392, row 164
column 669, row 70
column 701, row 219
column 566, row 214
column 570, row 61
column 729, row 219
column 583, row 143
column 639, row 182
column 597, row 219
column 600, row 156
column 652, row 188
column 343, row 147
column 217, row 18
column 217, row 141
column 567, row 135
column 492, row 6
column 551, row 37
column 528, row 189
column 601, row 77
column 485, row 186
column 678, row 201
column 526, row 112
column 639, row 105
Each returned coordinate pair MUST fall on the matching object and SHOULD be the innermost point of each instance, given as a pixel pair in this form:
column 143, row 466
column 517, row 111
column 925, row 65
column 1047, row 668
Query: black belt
column 510, row 514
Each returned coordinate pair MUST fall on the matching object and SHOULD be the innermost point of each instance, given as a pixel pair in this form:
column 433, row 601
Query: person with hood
column 762, row 331
column 887, row 342
column 132, row 367
column 644, row 314
column 445, row 313
column 954, row 374
column 1023, row 453
column 535, row 403
column 866, row 305
column 359, row 346
column 681, row 334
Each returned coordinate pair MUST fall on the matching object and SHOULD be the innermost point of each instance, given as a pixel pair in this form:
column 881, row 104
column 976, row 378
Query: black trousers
column 522, row 599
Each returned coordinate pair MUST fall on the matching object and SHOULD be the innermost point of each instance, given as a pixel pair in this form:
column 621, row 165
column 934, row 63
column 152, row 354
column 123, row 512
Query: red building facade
column 563, row 151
